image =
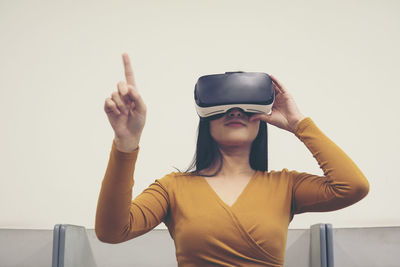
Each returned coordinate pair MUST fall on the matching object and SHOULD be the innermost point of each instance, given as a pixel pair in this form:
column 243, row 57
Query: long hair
column 207, row 151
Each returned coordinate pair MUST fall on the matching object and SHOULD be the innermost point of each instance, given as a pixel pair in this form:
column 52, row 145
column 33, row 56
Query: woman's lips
column 235, row 124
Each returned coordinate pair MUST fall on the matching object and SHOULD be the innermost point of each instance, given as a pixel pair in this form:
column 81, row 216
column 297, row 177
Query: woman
column 230, row 211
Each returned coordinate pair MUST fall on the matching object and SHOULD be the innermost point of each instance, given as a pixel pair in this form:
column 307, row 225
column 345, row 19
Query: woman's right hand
column 126, row 111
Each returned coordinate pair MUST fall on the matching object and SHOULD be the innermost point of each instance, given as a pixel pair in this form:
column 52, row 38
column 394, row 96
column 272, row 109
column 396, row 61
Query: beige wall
column 59, row 61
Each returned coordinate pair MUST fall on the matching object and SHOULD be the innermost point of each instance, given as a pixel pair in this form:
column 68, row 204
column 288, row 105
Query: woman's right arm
column 118, row 218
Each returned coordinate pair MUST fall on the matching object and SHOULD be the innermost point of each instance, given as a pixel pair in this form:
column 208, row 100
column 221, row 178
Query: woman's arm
column 118, row 217
column 343, row 184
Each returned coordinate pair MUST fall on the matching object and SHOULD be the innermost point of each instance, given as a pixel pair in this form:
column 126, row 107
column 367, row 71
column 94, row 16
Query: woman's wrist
column 126, row 145
column 296, row 122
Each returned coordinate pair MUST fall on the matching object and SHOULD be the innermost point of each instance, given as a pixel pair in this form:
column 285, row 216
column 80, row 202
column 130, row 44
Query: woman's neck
column 235, row 162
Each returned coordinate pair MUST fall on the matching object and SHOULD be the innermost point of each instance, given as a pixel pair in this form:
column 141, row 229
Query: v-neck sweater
column 208, row 232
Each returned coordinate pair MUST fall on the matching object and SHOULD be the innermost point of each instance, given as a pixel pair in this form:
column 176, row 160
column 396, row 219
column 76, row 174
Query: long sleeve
column 343, row 183
column 118, row 217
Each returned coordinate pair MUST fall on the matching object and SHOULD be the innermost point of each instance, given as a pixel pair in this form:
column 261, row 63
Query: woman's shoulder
column 283, row 173
column 174, row 177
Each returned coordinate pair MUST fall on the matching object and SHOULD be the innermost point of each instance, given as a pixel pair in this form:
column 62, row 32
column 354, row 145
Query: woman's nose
column 235, row 112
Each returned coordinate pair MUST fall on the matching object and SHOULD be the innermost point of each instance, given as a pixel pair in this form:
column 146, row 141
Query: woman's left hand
column 285, row 113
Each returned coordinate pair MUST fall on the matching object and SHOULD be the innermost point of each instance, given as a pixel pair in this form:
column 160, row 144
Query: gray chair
column 367, row 247
column 321, row 245
column 71, row 247
column 75, row 246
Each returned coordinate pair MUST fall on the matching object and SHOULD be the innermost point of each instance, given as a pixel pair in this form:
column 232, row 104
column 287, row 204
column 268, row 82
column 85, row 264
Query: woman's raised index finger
column 128, row 70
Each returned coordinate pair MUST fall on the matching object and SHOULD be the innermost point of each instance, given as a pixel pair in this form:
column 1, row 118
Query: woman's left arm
column 343, row 184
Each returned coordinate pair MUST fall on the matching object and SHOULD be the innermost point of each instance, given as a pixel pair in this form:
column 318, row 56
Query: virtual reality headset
column 218, row 93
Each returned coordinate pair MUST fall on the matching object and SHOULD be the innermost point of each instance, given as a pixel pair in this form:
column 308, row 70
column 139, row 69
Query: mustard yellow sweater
column 208, row 232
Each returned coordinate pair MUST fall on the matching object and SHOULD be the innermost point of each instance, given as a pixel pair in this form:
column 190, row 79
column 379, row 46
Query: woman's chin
column 235, row 142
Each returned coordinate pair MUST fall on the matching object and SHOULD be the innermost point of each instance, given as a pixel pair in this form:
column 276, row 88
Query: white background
column 61, row 60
